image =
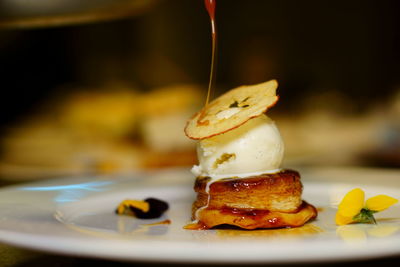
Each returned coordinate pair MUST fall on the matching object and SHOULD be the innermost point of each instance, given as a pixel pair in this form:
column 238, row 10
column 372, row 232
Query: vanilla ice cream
column 253, row 148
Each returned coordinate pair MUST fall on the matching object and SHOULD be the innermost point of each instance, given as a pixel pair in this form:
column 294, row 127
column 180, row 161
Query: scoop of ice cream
column 255, row 146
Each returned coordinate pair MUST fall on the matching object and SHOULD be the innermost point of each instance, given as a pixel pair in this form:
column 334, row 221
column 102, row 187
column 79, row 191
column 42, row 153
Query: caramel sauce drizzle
column 159, row 223
column 210, row 6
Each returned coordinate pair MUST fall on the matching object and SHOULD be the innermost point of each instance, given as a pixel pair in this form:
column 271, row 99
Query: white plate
column 75, row 216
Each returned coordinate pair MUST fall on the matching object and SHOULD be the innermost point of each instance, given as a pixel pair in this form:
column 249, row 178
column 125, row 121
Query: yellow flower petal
column 342, row 220
column 138, row 204
column 352, row 203
column 380, row 202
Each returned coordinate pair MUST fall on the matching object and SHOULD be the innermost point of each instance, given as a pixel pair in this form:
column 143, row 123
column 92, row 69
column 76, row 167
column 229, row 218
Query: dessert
column 239, row 180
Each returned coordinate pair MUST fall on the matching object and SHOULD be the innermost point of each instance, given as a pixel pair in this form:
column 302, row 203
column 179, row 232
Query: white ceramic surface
column 75, row 216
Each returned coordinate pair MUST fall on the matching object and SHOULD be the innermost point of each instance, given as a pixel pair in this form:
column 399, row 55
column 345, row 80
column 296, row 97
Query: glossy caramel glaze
column 274, row 192
column 263, row 201
column 254, row 219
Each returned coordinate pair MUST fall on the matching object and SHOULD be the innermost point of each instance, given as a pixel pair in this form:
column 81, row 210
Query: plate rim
column 18, row 239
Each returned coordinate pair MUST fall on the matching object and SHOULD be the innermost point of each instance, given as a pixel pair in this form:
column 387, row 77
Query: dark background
column 349, row 48
column 346, row 50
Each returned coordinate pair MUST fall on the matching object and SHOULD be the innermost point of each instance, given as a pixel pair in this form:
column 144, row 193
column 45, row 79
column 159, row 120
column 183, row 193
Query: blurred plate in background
column 50, row 13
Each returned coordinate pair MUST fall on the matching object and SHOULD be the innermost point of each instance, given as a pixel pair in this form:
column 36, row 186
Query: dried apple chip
column 232, row 109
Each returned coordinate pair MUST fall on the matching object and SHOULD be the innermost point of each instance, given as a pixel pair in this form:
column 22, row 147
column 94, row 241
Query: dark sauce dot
column 234, row 105
column 244, row 100
column 157, row 208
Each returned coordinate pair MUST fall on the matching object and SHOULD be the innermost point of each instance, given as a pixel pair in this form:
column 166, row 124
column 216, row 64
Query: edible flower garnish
column 352, row 209
column 149, row 208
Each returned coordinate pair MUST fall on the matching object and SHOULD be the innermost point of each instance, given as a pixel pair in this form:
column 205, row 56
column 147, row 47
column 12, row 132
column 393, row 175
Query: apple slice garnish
column 232, row 109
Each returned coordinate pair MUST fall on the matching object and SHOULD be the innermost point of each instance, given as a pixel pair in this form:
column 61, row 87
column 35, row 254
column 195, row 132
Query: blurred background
column 106, row 86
